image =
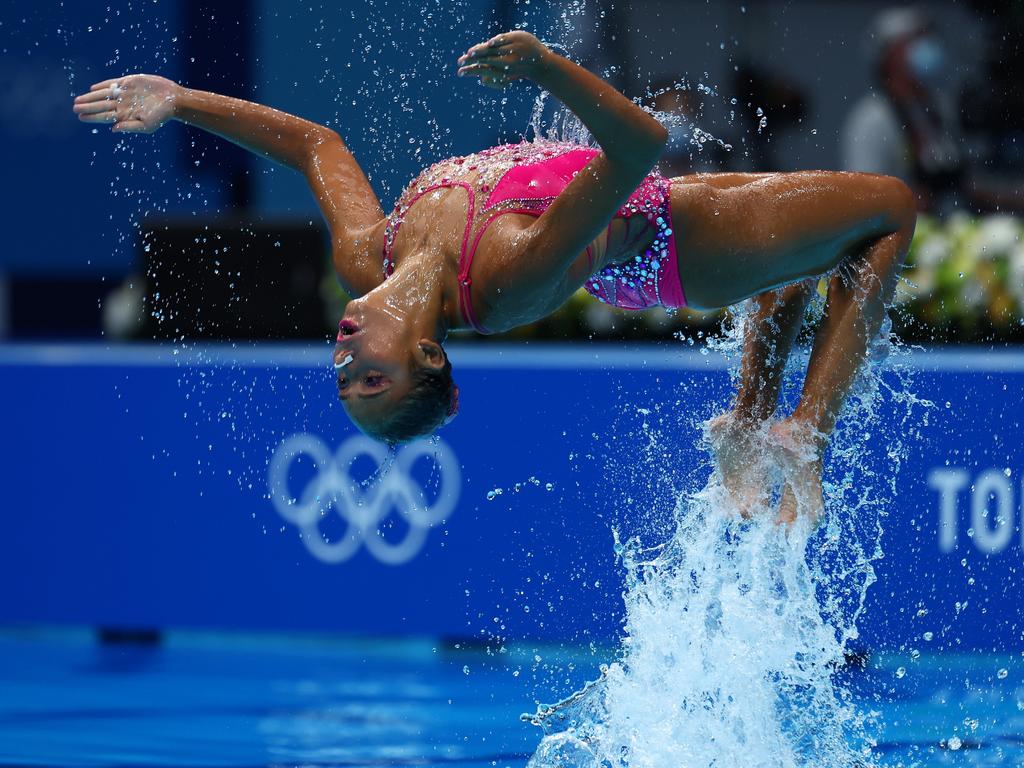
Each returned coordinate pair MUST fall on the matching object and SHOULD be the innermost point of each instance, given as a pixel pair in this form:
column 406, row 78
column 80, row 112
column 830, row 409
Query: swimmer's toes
column 787, row 507
column 802, row 496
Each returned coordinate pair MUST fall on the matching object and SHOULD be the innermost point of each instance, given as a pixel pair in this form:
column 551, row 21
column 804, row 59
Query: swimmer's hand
column 131, row 104
column 504, row 58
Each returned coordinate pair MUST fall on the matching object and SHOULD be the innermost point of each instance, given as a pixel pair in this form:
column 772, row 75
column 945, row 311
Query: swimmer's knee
column 899, row 203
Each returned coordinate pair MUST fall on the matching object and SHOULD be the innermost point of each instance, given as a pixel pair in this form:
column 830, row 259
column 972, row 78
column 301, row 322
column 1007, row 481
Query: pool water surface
column 245, row 700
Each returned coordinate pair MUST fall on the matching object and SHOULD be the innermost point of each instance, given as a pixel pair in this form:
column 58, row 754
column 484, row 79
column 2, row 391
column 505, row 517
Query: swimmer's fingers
column 93, row 107
column 93, row 96
column 106, row 83
column 498, row 60
column 476, row 70
column 93, row 103
column 514, row 55
column 488, row 74
column 134, row 103
column 109, row 116
column 491, row 47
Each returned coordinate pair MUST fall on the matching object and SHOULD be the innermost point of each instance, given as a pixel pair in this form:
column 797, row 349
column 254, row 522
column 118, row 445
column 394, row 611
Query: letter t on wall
column 948, row 482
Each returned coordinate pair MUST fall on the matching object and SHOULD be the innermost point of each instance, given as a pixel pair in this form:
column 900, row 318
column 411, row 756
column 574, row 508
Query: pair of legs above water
column 770, row 236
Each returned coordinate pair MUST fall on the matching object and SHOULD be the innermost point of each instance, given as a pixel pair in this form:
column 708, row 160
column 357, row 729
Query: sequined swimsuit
column 526, row 178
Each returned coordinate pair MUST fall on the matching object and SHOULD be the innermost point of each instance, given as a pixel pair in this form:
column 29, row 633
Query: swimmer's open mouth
column 347, row 327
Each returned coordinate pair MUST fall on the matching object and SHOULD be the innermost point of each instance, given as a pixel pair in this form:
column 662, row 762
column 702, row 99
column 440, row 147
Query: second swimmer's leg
column 737, row 436
column 854, row 310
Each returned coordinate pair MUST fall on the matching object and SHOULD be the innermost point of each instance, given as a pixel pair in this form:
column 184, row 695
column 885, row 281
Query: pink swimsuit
column 526, row 178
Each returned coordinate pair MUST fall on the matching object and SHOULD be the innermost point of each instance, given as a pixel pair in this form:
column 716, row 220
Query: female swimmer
column 503, row 237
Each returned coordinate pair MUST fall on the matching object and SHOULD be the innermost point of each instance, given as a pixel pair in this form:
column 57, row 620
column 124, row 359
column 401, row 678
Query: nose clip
column 348, row 359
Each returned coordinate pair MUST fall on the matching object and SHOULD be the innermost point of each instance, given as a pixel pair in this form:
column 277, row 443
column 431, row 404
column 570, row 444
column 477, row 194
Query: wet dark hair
column 431, row 401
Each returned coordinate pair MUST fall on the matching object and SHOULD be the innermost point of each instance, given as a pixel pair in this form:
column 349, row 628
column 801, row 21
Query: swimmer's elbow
column 659, row 137
column 646, row 151
column 322, row 137
column 319, row 142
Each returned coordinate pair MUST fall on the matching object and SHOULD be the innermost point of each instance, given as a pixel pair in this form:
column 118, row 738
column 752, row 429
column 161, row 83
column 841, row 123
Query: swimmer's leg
column 740, row 239
column 737, row 437
column 772, row 328
column 858, row 296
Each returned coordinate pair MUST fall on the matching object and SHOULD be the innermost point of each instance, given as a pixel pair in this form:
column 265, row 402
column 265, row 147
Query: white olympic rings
column 363, row 507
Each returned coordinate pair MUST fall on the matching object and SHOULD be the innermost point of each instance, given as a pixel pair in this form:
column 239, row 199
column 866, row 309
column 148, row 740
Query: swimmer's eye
column 374, row 380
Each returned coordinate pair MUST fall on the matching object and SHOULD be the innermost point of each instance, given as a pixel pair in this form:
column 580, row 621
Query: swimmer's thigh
column 737, row 240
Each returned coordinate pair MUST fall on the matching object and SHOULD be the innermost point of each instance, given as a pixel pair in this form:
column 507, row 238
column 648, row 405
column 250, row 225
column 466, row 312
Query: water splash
column 736, row 630
column 727, row 659
column 552, row 121
column 562, row 125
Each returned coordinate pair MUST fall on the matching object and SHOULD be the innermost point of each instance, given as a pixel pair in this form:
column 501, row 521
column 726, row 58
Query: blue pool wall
column 137, row 493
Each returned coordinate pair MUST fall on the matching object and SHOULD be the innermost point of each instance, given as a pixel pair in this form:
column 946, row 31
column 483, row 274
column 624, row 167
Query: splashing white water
column 735, row 630
column 727, row 659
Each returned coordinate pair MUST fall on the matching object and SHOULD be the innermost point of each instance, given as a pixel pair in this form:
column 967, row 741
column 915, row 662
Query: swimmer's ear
column 431, row 354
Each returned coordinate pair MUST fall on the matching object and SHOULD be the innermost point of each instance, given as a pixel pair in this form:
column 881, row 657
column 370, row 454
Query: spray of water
column 727, row 659
column 735, row 629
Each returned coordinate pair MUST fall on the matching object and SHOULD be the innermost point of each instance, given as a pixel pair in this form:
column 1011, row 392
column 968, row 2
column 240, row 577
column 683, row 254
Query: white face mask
column 927, row 60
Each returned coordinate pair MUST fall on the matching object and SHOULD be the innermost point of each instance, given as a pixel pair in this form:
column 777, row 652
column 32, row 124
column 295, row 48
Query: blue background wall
column 71, row 193
column 136, row 493
column 381, row 75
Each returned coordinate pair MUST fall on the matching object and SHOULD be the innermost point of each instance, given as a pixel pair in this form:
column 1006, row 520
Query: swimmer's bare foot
column 797, row 450
column 739, row 449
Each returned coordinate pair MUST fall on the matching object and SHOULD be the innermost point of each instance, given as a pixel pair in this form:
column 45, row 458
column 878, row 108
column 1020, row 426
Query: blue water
column 225, row 700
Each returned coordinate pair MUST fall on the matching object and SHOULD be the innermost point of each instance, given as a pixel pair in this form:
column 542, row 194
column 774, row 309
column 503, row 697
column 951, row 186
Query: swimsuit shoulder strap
column 465, row 254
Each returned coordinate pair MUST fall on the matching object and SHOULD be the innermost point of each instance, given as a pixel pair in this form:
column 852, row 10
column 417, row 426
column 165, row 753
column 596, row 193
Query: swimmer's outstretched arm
column 144, row 103
column 631, row 141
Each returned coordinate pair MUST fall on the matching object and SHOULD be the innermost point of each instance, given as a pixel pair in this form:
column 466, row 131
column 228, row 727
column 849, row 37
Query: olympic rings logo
column 363, row 508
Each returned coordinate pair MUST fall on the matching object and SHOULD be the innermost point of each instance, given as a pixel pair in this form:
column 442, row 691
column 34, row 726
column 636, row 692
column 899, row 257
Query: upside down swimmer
column 503, row 237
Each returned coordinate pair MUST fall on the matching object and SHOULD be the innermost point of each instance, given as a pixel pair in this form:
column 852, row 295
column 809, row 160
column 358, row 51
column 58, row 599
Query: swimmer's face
column 375, row 357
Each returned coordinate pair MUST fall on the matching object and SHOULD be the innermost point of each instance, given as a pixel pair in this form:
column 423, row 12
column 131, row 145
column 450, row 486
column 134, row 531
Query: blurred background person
column 908, row 127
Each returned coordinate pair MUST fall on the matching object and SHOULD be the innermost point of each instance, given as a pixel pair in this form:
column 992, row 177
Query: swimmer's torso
column 475, row 211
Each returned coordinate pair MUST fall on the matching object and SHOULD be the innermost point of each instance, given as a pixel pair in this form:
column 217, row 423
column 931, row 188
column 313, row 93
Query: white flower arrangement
column 966, row 273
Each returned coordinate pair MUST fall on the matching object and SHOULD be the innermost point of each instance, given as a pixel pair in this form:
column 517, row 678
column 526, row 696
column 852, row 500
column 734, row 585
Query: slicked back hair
column 425, row 408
